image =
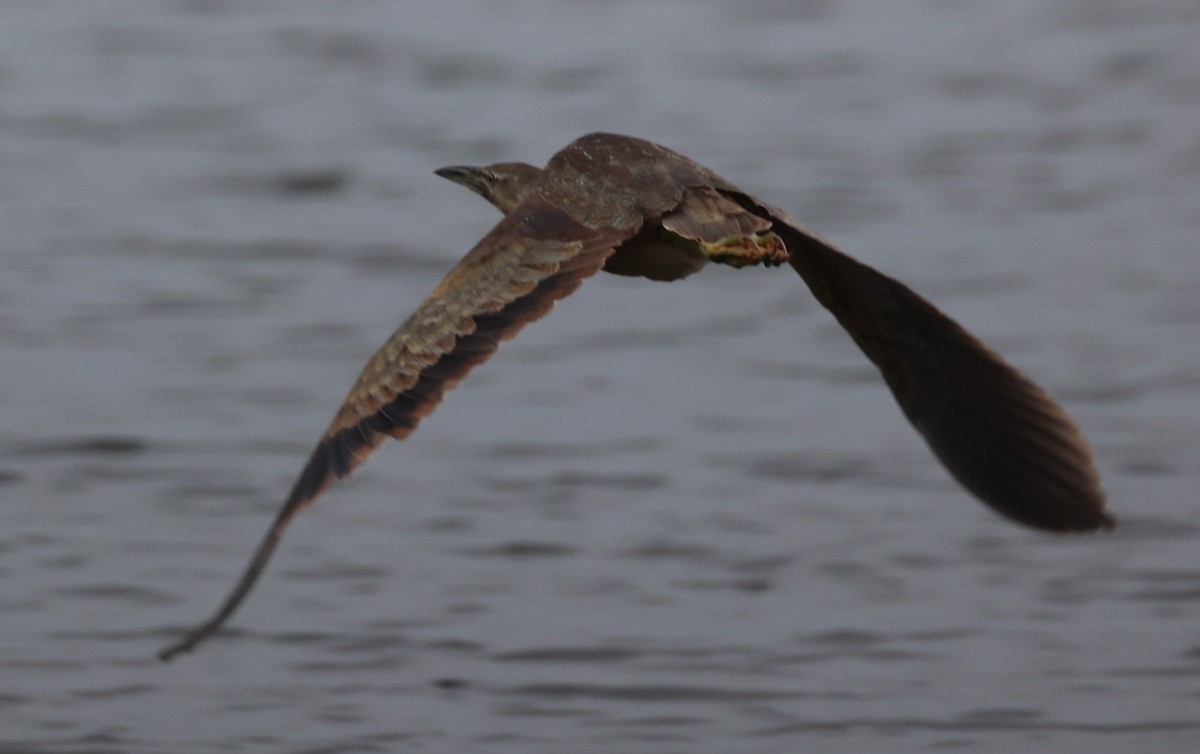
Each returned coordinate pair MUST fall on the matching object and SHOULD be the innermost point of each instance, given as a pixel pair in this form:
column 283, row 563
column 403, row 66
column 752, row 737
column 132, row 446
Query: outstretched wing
column 999, row 434
column 513, row 276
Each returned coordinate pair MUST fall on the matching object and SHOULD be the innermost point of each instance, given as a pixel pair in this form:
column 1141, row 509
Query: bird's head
column 505, row 184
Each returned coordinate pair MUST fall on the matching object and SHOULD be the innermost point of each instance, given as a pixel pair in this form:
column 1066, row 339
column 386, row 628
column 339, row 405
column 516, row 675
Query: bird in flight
column 631, row 207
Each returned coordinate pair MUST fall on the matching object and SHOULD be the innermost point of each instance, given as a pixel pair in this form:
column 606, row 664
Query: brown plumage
column 636, row 208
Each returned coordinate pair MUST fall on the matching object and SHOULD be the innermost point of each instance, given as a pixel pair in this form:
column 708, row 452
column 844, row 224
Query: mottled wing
column 705, row 214
column 534, row 257
column 1000, row 435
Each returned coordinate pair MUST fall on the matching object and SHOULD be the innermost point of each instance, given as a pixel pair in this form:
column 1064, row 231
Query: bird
column 632, row 207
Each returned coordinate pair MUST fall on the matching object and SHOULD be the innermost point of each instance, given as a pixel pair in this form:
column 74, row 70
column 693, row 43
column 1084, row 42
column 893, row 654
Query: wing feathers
column 508, row 280
column 1000, row 435
column 705, row 215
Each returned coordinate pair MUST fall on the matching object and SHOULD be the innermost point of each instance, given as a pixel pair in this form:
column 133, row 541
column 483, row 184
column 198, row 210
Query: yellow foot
column 742, row 251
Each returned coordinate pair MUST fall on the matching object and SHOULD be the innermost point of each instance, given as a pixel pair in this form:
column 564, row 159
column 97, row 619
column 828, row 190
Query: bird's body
column 631, row 207
column 680, row 231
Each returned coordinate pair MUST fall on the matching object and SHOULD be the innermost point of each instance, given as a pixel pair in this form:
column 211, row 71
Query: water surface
column 680, row 518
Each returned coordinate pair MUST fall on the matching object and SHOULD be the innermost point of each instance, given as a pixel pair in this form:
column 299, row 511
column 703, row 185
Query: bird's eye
column 489, row 176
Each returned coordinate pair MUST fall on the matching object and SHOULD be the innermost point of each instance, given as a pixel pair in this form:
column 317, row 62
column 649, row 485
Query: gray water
column 668, row 518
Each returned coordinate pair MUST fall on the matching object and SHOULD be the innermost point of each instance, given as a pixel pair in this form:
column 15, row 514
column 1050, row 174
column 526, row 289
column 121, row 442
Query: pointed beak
column 465, row 175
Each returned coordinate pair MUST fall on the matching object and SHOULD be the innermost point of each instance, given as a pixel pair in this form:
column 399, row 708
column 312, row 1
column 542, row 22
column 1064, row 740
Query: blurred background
column 667, row 518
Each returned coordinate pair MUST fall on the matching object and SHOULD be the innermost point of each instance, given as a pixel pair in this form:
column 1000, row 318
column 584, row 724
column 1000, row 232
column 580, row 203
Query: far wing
column 513, row 276
column 999, row 434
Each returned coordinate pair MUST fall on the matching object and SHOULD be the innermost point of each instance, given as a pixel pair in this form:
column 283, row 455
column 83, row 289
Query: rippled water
column 679, row 518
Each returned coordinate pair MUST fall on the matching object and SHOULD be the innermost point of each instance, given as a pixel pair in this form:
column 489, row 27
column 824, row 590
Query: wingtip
column 184, row 645
column 1090, row 516
column 1105, row 522
column 1101, row 523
